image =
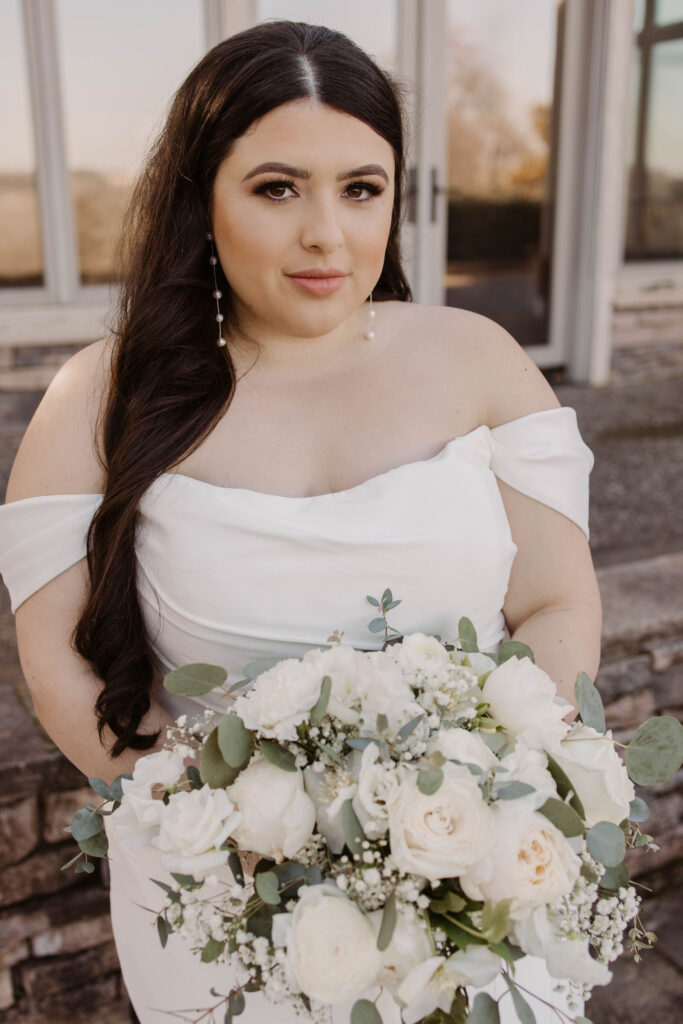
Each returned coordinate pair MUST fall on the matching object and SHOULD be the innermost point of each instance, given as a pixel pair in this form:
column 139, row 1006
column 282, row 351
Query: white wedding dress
column 227, row 575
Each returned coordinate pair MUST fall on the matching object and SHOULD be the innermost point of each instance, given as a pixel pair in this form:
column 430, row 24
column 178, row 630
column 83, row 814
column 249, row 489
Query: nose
column 322, row 227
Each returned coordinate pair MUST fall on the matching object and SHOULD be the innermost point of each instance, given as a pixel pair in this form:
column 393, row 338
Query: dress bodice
column 227, row 575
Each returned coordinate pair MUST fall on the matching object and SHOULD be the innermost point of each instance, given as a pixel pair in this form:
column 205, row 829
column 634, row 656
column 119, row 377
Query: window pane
column 120, row 64
column 669, row 12
column 638, row 14
column 371, row 25
column 21, row 257
column 655, row 218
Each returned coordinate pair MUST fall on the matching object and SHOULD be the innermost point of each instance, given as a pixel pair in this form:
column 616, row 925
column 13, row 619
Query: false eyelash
column 375, row 190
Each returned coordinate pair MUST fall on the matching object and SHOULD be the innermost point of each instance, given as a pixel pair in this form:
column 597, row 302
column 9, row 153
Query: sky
column 120, row 64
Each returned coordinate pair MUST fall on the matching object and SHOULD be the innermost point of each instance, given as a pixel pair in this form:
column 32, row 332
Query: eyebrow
column 301, row 172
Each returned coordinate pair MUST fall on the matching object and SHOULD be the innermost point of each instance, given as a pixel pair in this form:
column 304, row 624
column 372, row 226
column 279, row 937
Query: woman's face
column 268, row 224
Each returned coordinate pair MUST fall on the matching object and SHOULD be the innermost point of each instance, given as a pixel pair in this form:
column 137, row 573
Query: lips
column 318, row 273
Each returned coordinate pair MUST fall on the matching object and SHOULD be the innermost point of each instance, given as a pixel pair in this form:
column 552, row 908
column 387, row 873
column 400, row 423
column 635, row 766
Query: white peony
column 420, row 654
column 461, row 745
column 331, row 946
column 329, row 791
column 278, row 817
column 378, row 785
column 444, row 834
column 383, row 690
column 138, row 817
column 597, row 773
column 523, row 697
column 531, row 863
column 432, row 984
column 194, row 825
column 341, row 664
column 280, row 699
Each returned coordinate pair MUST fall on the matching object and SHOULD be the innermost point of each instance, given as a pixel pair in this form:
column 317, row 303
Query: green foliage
column 320, row 707
column 589, row 703
column 267, row 886
column 85, row 866
column 388, row 924
column 236, row 867
column 638, row 810
column 606, row 843
column 212, row 950
column 495, row 920
column 235, row 741
column 613, row 878
column 522, row 1008
column 467, row 635
column 85, row 824
column 95, row 846
column 429, row 781
column 655, row 753
column 563, row 817
column 277, row 755
column 450, row 903
column 365, row 1012
column 163, row 930
column 377, row 625
column 513, row 649
column 352, row 828
column 213, row 768
column 564, row 786
column 484, row 1010
column 236, row 1002
column 513, row 790
column 196, row 679
column 187, row 881
column 257, row 667
column 405, row 730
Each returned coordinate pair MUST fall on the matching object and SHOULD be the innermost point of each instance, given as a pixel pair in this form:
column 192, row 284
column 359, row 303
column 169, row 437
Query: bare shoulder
column 58, row 452
column 473, row 349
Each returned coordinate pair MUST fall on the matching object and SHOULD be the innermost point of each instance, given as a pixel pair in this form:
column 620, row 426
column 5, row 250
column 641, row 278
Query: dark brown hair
column 170, row 382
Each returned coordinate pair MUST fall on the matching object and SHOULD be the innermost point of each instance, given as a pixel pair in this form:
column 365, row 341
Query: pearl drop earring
column 370, row 334
column 217, row 293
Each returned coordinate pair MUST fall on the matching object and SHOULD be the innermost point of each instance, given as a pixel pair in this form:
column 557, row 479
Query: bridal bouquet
column 420, row 816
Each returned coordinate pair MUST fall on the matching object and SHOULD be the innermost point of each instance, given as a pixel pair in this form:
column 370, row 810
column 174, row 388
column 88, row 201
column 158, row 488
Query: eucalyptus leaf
column 85, row 866
column 451, row 903
column 85, row 824
column 235, row 865
column 522, row 1008
column 277, row 755
column 507, row 951
column 235, row 741
column 563, row 817
column 392, row 604
column 101, row 787
column 513, row 790
column 582, row 1020
column 495, row 920
column 187, row 881
column 352, row 828
column 655, row 752
column 213, row 768
column 163, row 930
column 193, row 777
column 388, row 924
column 236, row 1002
column 614, row 877
column 514, row 649
column 429, row 781
column 320, row 707
column 605, row 842
column 495, row 741
column 71, row 862
column 373, row 601
column 467, row 635
column 484, row 1010
column 364, row 1011
column 212, row 950
column 377, row 625
column 95, row 846
column 387, row 597
column 565, row 786
column 382, row 722
column 258, row 666
column 360, row 742
column 405, row 730
column 196, row 679
column 638, row 810
column 116, row 788
column 589, row 703
column 267, row 886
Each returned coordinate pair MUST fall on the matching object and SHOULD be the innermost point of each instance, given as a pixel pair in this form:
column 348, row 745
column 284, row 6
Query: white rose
column 408, row 947
column 340, row 663
column 441, row 835
column 329, row 791
column 278, row 817
column 194, row 825
column 462, row 745
column 432, row 984
column 531, row 863
column 138, row 817
column 523, row 697
column 597, row 773
column 420, row 654
column 331, row 945
column 378, row 785
column 384, row 691
column 280, row 699
column 526, row 765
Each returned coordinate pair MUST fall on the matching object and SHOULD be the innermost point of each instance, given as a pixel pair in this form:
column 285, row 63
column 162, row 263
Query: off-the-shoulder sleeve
column 41, row 537
column 543, row 455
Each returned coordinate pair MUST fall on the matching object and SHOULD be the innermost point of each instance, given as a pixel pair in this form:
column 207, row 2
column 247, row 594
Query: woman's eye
column 279, row 186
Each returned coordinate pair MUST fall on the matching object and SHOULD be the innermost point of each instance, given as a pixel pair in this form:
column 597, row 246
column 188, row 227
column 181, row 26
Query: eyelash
column 375, row 190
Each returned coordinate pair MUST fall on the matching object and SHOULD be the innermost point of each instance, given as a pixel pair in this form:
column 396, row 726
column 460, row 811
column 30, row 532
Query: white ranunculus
column 383, row 690
column 527, row 765
column 408, row 947
column 138, row 817
column 331, row 946
column 329, row 791
column 531, row 862
column 340, row 663
column 378, row 785
column 462, row 745
column 278, row 817
column 523, row 697
column 280, row 699
column 194, row 826
column 444, row 834
column 432, row 984
column 597, row 773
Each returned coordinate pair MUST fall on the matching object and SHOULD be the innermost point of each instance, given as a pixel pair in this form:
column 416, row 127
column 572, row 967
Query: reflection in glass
column 21, row 257
column 373, row 26
column 668, row 12
column 654, row 226
column 117, row 82
column 501, row 111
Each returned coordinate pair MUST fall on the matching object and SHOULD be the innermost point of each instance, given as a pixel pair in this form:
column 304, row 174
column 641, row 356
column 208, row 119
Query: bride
column 272, row 431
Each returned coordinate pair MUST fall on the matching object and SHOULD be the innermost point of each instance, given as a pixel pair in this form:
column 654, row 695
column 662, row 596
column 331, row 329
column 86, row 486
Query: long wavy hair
column 170, row 382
